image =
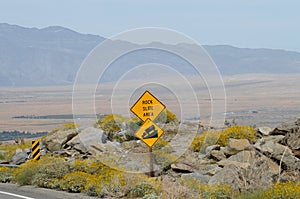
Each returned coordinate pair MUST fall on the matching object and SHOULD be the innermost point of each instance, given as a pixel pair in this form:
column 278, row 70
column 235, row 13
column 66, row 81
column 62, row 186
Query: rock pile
column 273, row 156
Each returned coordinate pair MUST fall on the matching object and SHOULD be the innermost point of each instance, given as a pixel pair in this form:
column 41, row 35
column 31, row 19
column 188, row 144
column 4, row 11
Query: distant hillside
column 232, row 60
column 49, row 56
column 52, row 55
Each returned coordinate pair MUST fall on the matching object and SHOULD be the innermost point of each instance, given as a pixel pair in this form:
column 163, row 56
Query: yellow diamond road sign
column 147, row 107
column 149, row 133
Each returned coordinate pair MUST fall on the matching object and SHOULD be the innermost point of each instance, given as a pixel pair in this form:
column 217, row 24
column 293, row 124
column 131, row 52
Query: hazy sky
column 251, row 23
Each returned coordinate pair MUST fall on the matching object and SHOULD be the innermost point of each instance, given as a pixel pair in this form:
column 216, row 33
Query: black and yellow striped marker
column 35, row 150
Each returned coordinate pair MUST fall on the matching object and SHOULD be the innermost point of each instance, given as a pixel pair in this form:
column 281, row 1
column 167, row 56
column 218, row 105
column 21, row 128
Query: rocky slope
column 273, row 156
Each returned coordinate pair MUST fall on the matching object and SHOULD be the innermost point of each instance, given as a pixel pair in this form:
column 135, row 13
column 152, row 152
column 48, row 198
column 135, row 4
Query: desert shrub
column 111, row 124
column 162, row 144
column 236, row 132
column 206, row 191
column 42, row 173
column 215, row 191
column 134, row 183
column 5, row 174
column 141, row 190
column 74, row 182
column 162, row 153
column 166, row 116
column 23, row 175
column 9, row 150
column 101, row 176
column 69, row 125
column 164, row 159
column 66, row 126
column 276, row 191
column 283, row 190
column 133, row 124
column 209, row 138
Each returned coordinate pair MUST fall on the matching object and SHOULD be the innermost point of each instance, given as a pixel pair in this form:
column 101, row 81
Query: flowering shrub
column 9, row 150
column 283, row 190
column 5, row 174
column 208, row 138
column 206, row 191
column 236, row 132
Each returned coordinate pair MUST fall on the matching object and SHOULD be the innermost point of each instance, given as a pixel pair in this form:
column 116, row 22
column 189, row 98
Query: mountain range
column 52, row 56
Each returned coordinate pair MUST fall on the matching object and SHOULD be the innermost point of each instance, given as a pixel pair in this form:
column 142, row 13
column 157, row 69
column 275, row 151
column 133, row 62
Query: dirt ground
column 252, row 99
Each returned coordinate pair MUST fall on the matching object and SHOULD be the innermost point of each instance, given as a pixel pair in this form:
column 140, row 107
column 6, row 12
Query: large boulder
column 291, row 130
column 236, row 145
column 282, row 154
column 251, row 157
column 226, row 162
column 21, row 156
column 182, row 167
column 199, row 176
column 252, row 177
column 55, row 141
column 287, row 127
column 86, row 139
column 264, row 130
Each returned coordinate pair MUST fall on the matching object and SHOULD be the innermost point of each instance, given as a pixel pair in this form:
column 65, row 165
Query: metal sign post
column 147, row 108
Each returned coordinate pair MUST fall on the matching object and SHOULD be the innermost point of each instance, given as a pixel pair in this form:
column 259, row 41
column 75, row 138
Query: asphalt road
column 13, row 191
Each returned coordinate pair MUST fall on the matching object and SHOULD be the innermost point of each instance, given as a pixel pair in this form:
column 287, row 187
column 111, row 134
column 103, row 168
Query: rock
column 287, row 127
column 55, row 140
column 291, row 130
column 296, row 153
column 195, row 176
column 219, row 155
column 138, row 163
column 3, row 161
column 115, row 144
column 18, row 150
column 292, row 140
column 264, row 130
column 134, row 146
column 227, row 162
column 19, row 158
column 228, row 175
column 236, row 145
column 252, row 156
column 293, row 176
column 213, row 170
column 95, row 148
column 182, row 167
column 251, row 178
column 86, row 138
column 273, row 138
column 212, row 147
column 279, row 152
column 244, row 156
column 27, row 150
